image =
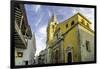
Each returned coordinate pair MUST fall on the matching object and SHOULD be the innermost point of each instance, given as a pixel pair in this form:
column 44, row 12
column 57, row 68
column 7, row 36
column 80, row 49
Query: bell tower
column 51, row 28
column 50, row 36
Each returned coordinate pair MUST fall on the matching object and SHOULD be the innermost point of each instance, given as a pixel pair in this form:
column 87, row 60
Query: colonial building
column 70, row 41
column 23, row 38
column 42, row 58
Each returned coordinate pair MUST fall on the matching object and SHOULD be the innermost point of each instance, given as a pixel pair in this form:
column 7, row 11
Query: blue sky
column 38, row 17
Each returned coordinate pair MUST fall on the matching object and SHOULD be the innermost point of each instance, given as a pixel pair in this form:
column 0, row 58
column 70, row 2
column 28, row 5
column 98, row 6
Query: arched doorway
column 69, row 58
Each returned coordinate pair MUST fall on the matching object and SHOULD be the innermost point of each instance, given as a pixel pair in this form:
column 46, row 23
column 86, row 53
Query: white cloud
column 42, row 30
column 87, row 12
column 38, row 21
column 49, row 13
column 36, row 8
column 41, row 39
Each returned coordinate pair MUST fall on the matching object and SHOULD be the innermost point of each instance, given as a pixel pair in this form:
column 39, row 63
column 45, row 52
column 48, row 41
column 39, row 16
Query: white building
column 28, row 54
column 24, row 41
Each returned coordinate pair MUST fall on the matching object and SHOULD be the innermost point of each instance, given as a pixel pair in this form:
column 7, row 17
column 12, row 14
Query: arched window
column 66, row 25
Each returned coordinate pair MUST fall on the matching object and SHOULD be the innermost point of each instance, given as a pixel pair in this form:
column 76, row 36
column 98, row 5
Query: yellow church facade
column 70, row 41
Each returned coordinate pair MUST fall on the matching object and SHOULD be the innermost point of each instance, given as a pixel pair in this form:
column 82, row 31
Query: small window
column 82, row 21
column 20, row 54
column 88, row 46
column 87, row 25
column 72, row 23
column 66, row 25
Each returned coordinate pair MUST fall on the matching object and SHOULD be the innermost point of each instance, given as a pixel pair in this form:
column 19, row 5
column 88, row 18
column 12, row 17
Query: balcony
column 22, row 29
column 19, row 38
column 20, row 41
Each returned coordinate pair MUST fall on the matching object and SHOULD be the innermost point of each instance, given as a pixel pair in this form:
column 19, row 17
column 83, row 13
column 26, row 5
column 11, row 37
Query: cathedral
column 70, row 41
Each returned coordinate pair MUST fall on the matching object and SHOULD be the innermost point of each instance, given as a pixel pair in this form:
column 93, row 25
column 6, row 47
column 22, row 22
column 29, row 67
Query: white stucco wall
column 30, row 51
column 28, row 54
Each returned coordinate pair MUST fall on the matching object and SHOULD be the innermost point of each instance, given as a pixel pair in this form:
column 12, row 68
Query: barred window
column 87, row 45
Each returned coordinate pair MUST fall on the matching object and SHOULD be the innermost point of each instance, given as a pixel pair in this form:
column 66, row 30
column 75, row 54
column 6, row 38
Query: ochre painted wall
column 71, row 40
